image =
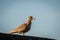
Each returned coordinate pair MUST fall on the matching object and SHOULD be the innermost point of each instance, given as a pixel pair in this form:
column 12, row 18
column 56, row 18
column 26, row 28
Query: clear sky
column 46, row 12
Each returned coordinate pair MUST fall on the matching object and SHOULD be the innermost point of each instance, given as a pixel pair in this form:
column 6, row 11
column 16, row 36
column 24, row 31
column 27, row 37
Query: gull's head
column 31, row 18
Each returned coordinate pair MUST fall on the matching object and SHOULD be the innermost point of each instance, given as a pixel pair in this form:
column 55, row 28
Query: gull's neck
column 28, row 21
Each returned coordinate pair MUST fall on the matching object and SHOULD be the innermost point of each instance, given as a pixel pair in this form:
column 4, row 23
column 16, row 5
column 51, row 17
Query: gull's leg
column 21, row 33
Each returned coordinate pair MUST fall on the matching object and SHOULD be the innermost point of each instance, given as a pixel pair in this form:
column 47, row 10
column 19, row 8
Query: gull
column 23, row 28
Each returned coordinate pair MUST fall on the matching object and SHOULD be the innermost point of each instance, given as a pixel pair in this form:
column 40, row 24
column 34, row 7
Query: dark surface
column 4, row 36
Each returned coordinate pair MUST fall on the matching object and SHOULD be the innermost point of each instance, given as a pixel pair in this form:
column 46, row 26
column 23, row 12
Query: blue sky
column 46, row 12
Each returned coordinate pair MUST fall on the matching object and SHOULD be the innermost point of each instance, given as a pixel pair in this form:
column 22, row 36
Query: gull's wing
column 20, row 28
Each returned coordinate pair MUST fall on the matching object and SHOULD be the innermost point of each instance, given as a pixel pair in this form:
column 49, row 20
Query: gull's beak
column 34, row 18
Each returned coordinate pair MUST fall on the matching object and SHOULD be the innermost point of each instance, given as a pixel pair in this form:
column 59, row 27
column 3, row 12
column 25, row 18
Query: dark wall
column 20, row 37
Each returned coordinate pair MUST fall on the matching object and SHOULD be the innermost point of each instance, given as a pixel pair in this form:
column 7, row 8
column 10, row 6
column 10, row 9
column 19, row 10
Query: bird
column 23, row 28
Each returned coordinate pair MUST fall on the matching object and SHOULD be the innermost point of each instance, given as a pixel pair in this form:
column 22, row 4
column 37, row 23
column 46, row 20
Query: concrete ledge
column 4, row 36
